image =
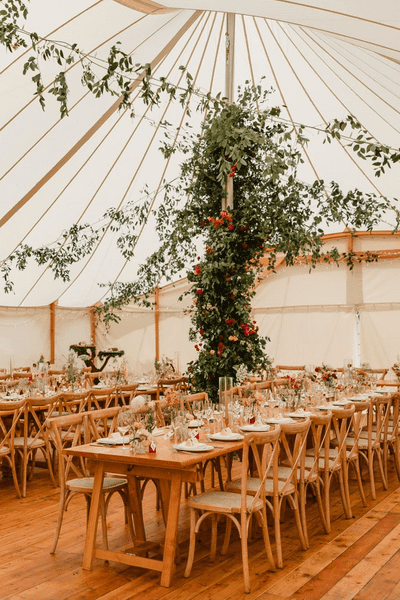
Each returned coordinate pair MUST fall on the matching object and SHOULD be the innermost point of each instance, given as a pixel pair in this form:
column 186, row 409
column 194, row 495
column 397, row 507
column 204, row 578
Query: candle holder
column 226, row 395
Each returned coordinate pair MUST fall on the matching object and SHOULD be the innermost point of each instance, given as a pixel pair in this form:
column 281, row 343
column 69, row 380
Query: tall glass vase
column 225, row 396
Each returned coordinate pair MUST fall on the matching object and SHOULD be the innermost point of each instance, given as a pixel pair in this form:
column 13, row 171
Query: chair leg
column 343, row 496
column 277, row 530
column 227, row 536
column 327, row 505
column 381, row 468
column 245, row 554
column 214, row 525
column 356, row 467
column 371, row 474
column 267, row 543
column 296, row 512
column 346, row 489
column 317, row 491
column 192, row 542
column 63, row 498
column 303, row 516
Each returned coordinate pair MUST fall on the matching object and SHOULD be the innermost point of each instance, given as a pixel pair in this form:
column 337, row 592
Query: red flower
column 244, row 245
column 197, row 270
column 203, row 223
column 209, row 250
column 199, row 292
column 201, row 331
column 231, row 227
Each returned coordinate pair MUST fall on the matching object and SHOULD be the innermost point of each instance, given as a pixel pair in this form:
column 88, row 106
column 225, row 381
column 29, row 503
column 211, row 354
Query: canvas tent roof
column 322, row 58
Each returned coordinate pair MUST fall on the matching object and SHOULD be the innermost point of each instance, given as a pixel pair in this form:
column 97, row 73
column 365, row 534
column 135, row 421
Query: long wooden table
column 171, row 468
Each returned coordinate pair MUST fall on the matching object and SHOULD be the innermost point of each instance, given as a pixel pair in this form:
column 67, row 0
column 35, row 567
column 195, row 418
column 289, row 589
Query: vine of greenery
column 273, row 213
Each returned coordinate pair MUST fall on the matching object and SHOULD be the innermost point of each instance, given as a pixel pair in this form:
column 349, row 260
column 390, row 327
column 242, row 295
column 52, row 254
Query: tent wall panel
column 307, row 336
column 380, row 335
column 72, row 327
column 24, row 336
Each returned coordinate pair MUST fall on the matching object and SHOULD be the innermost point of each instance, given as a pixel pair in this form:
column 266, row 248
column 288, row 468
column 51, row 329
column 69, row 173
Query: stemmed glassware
column 197, row 408
column 124, row 424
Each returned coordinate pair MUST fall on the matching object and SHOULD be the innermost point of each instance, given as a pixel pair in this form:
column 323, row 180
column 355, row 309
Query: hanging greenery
column 273, row 212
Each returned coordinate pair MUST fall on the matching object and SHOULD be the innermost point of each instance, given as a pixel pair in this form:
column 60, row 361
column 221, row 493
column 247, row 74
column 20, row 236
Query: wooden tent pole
column 92, row 317
column 229, row 90
column 157, row 322
column 53, row 307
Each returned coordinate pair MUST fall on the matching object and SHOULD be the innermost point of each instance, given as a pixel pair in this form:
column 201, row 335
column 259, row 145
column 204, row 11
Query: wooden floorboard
column 358, row 560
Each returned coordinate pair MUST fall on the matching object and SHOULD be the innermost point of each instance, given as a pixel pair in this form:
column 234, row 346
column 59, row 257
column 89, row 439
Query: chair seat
column 31, row 443
column 253, row 485
column 86, row 483
column 223, row 501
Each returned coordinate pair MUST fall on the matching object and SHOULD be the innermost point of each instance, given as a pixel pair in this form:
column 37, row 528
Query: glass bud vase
column 226, row 396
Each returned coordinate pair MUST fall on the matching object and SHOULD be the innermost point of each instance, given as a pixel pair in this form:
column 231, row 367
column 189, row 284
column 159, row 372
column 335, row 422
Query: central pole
column 229, row 90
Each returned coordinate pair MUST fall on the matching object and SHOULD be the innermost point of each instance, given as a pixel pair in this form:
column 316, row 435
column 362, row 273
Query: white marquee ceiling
column 324, row 59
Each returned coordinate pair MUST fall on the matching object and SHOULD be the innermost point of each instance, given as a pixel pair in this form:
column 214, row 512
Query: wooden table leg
column 136, row 505
column 91, row 530
column 172, row 500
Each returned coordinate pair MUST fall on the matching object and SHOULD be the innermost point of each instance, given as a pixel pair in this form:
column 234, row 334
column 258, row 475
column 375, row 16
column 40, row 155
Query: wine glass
column 123, row 424
column 198, row 409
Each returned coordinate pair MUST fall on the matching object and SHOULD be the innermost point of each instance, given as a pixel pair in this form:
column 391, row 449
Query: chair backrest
column 264, row 448
column 320, row 429
column 342, row 423
column 293, row 450
column 37, row 410
column 101, row 423
column 101, row 398
column 10, row 414
column 187, row 401
column 72, row 428
column 393, row 432
column 378, row 417
column 74, row 402
column 177, row 383
column 359, row 422
column 124, row 393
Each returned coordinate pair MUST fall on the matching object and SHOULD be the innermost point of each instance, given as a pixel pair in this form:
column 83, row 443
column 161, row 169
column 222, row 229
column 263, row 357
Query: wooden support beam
column 157, row 321
column 53, row 307
column 92, row 317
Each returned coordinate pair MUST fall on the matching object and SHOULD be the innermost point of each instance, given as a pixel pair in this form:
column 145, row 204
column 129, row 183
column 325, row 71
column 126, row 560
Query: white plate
column 113, row 441
column 278, row 421
column 341, row 402
column 156, row 432
column 299, row 415
column 323, row 407
column 232, row 437
column 198, row 448
column 255, row 428
column 195, row 423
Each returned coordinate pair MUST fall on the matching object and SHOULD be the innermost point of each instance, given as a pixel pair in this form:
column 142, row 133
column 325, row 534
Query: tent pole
column 52, row 308
column 157, row 322
column 229, row 90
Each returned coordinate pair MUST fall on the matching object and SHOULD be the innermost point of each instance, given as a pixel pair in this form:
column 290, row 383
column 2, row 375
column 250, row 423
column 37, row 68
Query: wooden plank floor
column 359, row 559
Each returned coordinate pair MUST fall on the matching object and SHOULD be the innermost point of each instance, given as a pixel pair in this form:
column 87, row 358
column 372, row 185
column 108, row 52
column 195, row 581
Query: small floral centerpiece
column 164, row 368
column 327, row 376
column 73, row 371
column 396, row 370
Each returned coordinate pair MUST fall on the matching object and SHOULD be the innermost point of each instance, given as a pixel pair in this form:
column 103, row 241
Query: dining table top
column 166, row 456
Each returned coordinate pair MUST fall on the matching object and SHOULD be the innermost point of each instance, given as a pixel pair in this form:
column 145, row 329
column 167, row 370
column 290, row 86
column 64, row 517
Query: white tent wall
column 71, row 327
column 24, row 336
column 175, row 323
column 135, row 334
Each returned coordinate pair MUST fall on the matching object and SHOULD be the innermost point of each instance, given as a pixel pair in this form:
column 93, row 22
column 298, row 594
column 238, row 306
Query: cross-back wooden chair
column 33, row 437
column 82, row 481
column 124, row 392
column 245, row 500
column 10, row 414
column 177, row 383
column 393, row 442
column 282, row 485
column 320, row 440
column 101, row 398
column 333, row 457
column 373, row 442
